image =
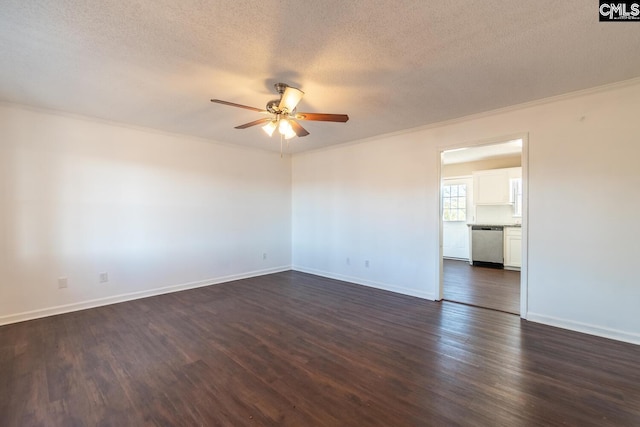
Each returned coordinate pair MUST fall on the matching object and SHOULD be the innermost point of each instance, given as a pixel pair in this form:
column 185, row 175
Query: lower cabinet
column 512, row 247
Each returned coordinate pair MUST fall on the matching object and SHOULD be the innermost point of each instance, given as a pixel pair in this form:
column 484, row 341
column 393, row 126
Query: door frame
column 524, row 276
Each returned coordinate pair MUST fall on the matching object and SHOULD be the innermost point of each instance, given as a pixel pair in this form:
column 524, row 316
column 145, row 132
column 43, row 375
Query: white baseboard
column 83, row 305
column 455, row 259
column 364, row 282
column 586, row 328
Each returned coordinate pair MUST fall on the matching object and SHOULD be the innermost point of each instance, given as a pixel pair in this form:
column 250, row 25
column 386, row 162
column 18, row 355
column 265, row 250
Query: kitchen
column 482, row 196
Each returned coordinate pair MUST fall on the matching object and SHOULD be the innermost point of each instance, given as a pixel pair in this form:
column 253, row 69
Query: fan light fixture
column 285, row 129
column 290, row 134
column 270, row 127
column 283, row 125
column 283, row 114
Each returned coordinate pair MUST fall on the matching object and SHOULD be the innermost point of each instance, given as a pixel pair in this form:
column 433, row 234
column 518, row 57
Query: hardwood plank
column 292, row 349
column 486, row 287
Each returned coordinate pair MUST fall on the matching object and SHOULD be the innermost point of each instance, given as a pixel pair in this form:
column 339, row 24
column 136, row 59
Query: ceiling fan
column 283, row 115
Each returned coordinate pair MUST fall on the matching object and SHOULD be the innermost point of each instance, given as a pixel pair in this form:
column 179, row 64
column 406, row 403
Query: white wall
column 467, row 168
column 368, row 202
column 495, row 214
column 378, row 200
column 157, row 212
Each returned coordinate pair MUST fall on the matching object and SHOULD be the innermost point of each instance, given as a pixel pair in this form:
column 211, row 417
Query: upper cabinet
column 493, row 187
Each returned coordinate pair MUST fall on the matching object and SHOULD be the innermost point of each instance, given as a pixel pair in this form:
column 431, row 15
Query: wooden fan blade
column 253, row 123
column 322, row 117
column 299, row 130
column 290, row 98
column 233, row 104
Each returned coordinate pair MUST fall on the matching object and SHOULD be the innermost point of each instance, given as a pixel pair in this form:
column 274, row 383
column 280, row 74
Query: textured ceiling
column 390, row 65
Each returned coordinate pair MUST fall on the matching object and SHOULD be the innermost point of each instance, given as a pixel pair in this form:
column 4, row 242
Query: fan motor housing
column 273, row 106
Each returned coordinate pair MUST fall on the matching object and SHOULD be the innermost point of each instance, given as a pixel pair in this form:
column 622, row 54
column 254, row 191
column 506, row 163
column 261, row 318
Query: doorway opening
column 482, row 224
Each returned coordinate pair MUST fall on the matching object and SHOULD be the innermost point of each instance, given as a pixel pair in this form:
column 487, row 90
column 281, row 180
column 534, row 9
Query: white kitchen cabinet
column 512, row 247
column 492, row 187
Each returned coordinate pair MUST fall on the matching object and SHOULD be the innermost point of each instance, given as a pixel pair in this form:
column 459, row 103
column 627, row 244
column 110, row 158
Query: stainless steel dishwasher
column 487, row 245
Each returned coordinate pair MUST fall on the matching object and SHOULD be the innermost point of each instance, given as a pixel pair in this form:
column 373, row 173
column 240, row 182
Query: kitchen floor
column 482, row 286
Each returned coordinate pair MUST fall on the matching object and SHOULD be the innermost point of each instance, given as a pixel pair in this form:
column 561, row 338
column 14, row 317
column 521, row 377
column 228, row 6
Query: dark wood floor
column 481, row 286
column 298, row 350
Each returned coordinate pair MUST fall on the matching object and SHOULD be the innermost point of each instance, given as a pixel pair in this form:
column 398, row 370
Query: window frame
column 448, row 208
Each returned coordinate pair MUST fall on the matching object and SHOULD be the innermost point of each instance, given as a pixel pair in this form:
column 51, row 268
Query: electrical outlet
column 366, row 263
column 264, row 255
column 62, row 282
column 348, row 261
column 103, row 277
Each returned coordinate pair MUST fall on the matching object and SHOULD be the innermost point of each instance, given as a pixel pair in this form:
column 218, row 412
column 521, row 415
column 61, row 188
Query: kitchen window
column 454, row 202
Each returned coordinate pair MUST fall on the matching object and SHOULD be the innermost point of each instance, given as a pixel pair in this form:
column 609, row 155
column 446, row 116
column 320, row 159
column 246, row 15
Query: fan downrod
column 281, row 87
